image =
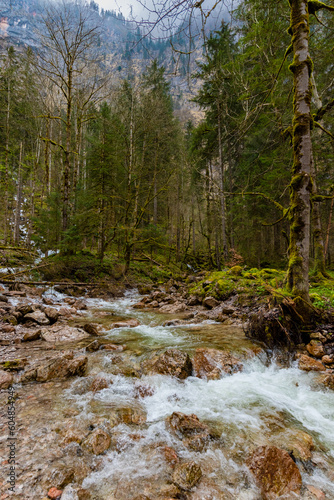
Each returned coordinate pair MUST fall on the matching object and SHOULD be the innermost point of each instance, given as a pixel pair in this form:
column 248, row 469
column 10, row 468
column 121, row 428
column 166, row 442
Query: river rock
column 210, row 363
column 327, row 360
column 51, row 313
column 130, row 323
column 174, row 308
column 58, row 367
column 316, row 349
column 93, row 346
column 14, row 365
column 328, row 380
column 7, row 328
column 186, row 475
column 31, row 335
column 91, row 329
column 54, row 493
column 25, row 309
column 307, row 364
column 194, row 433
column 275, row 472
column 66, row 311
column 171, row 362
column 170, row 456
column 139, row 305
column 38, row 317
column 99, row 383
column 70, row 493
column 316, row 493
column 6, row 379
column 63, row 334
column 210, row 302
column 97, row 442
column 193, row 300
column 129, row 415
column 143, row 391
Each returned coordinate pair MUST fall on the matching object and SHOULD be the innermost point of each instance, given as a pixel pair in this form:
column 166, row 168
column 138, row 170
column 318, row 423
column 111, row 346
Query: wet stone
column 97, row 442
column 99, row 383
column 275, row 472
column 54, row 493
column 31, row 336
column 316, row 349
column 211, row 363
column 171, row 362
column 38, row 317
column 91, row 329
column 307, row 363
column 186, row 475
column 6, row 379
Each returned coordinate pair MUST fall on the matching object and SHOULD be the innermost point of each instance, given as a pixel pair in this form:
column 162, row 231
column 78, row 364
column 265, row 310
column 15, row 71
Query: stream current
column 268, row 403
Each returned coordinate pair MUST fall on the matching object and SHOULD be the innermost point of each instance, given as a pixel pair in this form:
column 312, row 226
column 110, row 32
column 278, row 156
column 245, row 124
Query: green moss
column 236, row 270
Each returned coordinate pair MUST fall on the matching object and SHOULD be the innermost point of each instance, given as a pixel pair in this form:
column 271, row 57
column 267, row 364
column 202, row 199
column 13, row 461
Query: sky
column 121, row 5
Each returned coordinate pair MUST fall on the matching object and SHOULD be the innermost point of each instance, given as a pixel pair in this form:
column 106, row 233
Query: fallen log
column 49, row 283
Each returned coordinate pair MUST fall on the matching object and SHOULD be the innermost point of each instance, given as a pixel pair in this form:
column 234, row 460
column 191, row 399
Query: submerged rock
column 97, row 442
column 99, row 383
column 186, row 475
column 91, row 329
column 195, row 434
column 130, row 323
column 211, row 363
column 171, row 362
column 275, row 472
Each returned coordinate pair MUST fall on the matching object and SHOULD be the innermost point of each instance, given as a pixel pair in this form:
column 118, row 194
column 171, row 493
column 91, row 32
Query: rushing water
column 266, row 403
column 263, row 404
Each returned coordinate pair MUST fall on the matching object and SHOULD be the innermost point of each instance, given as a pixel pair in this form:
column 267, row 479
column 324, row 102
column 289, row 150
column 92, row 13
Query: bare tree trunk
column 300, row 186
column 5, row 231
column 222, row 193
column 18, row 200
column 319, row 252
column 329, row 227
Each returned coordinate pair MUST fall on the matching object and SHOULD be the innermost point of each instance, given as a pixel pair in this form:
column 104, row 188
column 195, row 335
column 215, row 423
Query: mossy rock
column 236, row 270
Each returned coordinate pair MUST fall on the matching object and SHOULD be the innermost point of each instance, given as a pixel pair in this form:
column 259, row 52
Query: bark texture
column 301, row 183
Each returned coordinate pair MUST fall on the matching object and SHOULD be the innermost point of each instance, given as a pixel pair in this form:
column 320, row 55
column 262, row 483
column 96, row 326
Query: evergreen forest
column 116, row 168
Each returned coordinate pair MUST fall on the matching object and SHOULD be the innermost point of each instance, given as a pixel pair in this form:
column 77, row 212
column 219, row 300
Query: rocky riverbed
column 159, row 396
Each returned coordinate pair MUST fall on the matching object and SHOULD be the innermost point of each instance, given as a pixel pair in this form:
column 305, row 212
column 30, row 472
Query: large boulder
column 275, row 472
column 195, row 434
column 63, row 334
column 37, row 317
column 186, row 475
column 211, row 363
column 58, row 367
column 171, row 362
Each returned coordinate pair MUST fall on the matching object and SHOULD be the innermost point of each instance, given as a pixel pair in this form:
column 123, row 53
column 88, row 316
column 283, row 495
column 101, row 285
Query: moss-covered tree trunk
column 301, row 183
